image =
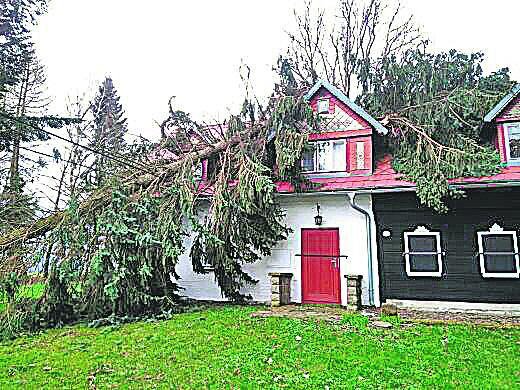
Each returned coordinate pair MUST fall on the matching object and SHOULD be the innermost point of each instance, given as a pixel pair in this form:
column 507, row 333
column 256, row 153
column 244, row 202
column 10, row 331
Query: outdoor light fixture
column 318, row 219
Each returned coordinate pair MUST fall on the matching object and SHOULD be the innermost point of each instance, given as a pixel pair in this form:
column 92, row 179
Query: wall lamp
column 318, row 219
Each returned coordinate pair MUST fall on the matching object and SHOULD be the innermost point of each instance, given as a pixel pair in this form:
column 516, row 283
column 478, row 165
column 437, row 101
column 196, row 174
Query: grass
column 34, row 291
column 225, row 348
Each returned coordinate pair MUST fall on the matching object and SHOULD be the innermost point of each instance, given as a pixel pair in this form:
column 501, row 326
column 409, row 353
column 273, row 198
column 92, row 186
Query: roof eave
column 491, row 115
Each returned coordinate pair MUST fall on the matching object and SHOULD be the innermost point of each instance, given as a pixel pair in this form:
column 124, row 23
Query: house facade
column 361, row 237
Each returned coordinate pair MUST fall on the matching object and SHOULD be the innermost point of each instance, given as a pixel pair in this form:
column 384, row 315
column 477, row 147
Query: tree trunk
column 99, row 198
column 14, row 187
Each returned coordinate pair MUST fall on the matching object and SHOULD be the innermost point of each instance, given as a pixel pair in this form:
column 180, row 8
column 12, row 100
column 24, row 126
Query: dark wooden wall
column 461, row 279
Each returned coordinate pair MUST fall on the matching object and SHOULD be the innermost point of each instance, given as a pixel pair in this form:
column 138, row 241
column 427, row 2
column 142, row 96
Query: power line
column 128, row 162
column 54, row 157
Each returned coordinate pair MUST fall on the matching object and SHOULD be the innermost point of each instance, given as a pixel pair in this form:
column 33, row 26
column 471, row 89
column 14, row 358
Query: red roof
column 385, row 177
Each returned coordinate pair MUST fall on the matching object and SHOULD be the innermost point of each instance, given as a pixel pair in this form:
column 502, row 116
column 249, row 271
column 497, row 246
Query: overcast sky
column 193, row 48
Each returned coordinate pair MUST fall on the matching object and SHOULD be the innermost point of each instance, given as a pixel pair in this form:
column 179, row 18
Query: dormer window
column 512, row 138
column 325, row 156
column 323, row 106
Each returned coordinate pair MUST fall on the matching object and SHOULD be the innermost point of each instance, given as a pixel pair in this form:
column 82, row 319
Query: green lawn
column 31, row 291
column 226, row 348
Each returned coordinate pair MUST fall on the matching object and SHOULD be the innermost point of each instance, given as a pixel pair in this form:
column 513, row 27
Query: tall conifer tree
column 22, row 80
column 108, row 130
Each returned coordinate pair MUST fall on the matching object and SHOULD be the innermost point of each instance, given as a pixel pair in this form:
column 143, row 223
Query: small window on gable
column 323, row 106
column 325, row 156
column 422, row 252
column 198, row 171
column 512, row 135
column 498, row 253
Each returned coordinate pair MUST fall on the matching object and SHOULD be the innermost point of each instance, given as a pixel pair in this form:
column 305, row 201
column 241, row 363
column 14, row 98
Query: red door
column 320, row 266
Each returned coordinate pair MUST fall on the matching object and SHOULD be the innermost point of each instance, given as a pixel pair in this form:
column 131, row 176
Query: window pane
column 514, row 142
column 360, row 155
column 502, row 262
column 422, row 243
column 339, row 156
column 197, row 171
column 323, row 106
column 424, row 263
column 308, row 160
column 324, row 156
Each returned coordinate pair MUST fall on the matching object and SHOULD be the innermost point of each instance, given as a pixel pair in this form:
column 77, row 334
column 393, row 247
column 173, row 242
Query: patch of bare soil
column 459, row 317
column 335, row 313
column 305, row 312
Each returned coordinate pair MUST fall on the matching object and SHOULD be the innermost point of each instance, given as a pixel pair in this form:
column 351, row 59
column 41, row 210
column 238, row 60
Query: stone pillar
column 354, row 291
column 280, row 288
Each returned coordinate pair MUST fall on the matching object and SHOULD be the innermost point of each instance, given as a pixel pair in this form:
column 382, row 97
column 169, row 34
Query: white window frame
column 507, row 126
column 316, row 150
column 320, row 109
column 498, row 230
column 198, row 171
column 422, row 231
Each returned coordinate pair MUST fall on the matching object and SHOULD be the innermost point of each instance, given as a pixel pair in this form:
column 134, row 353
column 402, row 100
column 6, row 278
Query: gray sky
column 193, row 48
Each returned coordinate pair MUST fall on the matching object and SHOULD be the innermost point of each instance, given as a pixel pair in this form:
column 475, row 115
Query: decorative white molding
column 496, row 229
column 422, row 231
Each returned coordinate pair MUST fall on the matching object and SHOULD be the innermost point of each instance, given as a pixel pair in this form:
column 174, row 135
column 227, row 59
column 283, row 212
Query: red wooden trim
column 511, row 112
column 328, row 135
column 340, row 134
column 347, row 157
column 360, row 133
column 204, row 170
column 508, row 119
column 352, row 156
column 501, row 140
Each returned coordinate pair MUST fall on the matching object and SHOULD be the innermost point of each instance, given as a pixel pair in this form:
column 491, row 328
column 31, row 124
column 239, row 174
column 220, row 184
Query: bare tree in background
column 344, row 48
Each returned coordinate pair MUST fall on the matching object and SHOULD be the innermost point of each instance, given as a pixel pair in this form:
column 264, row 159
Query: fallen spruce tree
column 114, row 253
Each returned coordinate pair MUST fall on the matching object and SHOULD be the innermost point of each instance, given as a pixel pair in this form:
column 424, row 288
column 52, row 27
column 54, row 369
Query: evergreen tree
column 435, row 103
column 16, row 53
column 108, row 130
column 21, row 81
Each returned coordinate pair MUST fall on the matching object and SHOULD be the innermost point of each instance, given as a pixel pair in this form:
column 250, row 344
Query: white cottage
column 331, row 247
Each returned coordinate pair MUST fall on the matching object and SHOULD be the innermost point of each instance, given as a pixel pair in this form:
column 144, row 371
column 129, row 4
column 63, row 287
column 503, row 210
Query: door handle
column 333, row 262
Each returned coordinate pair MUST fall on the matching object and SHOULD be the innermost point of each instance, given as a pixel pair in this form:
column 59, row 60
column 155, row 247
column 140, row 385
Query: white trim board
column 498, row 230
column 507, row 127
column 422, row 231
column 507, row 309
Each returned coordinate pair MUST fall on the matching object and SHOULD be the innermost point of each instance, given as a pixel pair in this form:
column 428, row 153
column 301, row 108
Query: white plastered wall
column 300, row 212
